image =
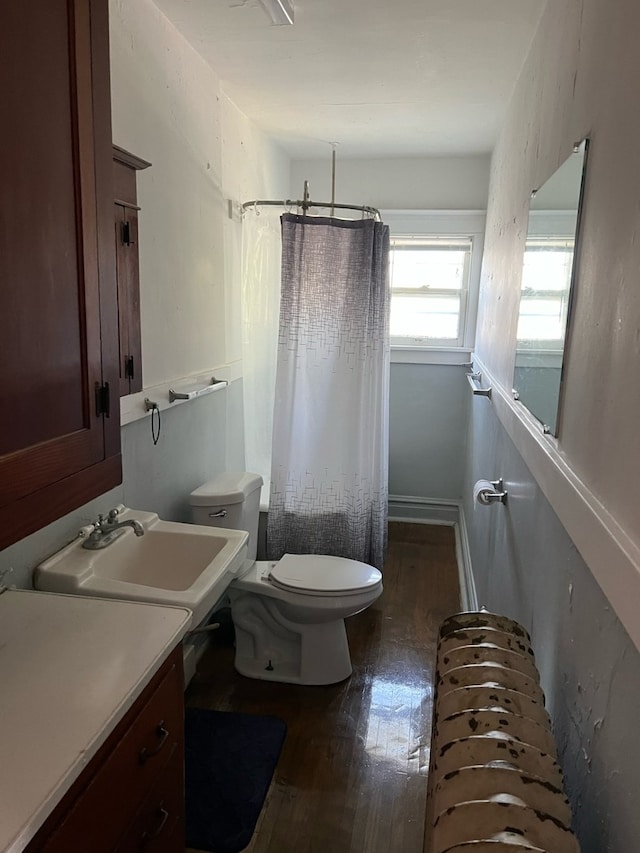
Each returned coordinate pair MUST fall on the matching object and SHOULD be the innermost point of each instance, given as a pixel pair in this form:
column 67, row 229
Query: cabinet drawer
column 110, row 801
column 159, row 825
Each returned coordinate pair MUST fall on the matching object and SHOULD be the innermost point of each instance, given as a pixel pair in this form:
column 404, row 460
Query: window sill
column 451, row 356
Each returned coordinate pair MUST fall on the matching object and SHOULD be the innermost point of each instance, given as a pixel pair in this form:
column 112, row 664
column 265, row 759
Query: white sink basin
column 180, row 564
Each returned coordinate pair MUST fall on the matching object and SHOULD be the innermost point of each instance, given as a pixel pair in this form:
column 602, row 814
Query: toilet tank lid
column 229, row 488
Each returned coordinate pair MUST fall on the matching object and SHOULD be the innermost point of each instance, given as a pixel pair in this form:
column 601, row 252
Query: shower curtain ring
column 255, row 208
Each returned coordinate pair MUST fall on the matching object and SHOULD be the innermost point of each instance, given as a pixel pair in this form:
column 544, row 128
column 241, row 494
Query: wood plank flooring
column 352, row 773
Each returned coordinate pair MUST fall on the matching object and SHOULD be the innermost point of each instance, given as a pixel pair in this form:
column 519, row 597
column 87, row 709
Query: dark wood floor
column 352, row 774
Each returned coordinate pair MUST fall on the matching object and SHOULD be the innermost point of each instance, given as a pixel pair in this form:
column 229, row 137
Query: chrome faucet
column 107, row 530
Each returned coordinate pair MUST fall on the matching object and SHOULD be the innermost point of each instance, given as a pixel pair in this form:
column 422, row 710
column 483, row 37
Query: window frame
column 440, row 243
column 438, row 224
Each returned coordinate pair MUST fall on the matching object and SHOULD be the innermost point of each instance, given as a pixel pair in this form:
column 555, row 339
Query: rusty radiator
column 495, row 785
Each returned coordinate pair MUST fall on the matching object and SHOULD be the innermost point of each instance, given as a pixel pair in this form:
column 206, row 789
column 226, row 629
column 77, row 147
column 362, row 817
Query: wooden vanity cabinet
column 125, row 167
column 131, row 795
column 59, row 434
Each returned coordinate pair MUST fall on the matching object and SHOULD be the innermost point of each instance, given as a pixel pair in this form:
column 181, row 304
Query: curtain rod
column 306, row 203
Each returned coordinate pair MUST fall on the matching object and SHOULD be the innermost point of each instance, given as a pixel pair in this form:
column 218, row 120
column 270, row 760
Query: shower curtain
column 261, row 262
column 330, row 429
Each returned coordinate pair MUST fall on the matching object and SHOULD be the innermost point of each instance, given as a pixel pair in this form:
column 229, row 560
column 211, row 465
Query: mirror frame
column 555, row 428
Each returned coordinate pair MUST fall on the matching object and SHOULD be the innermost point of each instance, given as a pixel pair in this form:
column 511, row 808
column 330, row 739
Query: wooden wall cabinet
column 125, row 167
column 59, row 430
column 131, row 796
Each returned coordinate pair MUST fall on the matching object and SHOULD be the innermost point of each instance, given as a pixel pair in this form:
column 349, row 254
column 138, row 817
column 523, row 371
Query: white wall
column 563, row 554
column 579, row 80
column 428, row 416
column 253, row 168
column 428, row 402
column 168, row 107
column 411, row 183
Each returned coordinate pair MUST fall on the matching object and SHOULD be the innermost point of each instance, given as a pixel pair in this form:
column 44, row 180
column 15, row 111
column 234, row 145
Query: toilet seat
column 314, row 574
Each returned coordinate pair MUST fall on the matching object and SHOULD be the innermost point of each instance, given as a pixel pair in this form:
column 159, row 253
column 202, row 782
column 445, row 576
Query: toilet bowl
column 289, row 614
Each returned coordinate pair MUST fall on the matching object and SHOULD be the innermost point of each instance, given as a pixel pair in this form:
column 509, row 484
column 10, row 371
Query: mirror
column 547, row 278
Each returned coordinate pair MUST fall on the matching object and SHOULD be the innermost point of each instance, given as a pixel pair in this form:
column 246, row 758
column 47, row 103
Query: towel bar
column 474, row 380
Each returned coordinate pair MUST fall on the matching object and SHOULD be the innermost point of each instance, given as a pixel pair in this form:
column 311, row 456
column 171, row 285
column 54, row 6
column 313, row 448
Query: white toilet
column 288, row 615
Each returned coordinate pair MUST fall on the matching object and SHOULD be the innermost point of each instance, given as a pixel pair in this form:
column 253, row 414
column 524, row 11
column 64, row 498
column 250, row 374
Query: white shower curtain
column 261, row 262
column 330, row 430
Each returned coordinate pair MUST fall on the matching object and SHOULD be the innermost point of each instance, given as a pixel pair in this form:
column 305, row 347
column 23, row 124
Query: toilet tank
column 230, row 500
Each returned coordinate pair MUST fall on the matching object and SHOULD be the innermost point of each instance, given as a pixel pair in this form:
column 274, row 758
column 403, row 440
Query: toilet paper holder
column 499, row 495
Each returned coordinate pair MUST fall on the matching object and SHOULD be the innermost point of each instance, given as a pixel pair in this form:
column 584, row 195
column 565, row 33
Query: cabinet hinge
column 129, row 371
column 103, row 401
column 126, row 233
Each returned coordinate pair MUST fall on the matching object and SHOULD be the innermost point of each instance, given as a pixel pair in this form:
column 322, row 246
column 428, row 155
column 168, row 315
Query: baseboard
column 422, row 510
column 468, row 594
column 413, row 510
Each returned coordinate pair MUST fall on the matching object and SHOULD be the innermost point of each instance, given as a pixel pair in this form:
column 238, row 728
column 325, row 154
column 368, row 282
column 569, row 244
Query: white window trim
column 442, row 223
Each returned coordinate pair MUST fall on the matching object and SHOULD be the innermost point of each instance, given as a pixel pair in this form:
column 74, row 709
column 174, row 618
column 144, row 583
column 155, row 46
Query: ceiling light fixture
column 280, row 11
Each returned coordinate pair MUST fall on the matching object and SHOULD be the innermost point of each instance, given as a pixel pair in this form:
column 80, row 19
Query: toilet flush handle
column 222, row 513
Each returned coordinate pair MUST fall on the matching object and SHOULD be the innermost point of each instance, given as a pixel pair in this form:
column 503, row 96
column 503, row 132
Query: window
column 546, row 279
column 434, row 278
column 429, row 290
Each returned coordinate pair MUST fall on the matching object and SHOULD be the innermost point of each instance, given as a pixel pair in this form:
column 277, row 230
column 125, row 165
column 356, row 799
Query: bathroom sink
column 186, row 565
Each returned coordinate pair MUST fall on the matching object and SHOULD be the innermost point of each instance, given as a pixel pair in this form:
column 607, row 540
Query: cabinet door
column 126, row 234
column 125, row 168
column 56, row 262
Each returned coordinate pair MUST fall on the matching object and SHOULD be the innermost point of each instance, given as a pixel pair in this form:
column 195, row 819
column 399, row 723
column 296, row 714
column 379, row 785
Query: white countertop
column 70, row 668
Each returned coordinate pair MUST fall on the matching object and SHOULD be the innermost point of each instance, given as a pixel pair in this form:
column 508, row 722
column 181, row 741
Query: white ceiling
column 379, row 77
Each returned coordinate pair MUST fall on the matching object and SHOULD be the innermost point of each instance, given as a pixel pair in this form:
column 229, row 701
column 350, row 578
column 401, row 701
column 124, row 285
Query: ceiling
column 382, row 78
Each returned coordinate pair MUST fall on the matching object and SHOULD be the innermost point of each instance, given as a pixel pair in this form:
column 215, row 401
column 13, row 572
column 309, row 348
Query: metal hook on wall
column 156, row 423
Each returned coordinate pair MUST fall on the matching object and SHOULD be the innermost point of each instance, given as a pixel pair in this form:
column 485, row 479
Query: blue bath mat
column 229, row 762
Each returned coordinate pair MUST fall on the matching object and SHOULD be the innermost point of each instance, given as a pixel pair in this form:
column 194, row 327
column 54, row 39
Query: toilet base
column 273, row 648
